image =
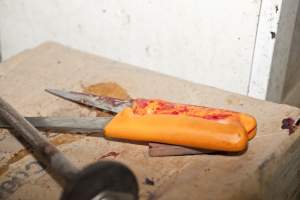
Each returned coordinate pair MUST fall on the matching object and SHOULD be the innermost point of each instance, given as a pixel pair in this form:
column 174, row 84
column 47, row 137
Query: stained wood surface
column 269, row 169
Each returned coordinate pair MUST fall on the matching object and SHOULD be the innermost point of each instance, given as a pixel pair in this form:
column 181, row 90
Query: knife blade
column 105, row 103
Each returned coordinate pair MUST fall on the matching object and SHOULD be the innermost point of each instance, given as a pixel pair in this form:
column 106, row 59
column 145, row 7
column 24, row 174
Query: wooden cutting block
column 269, row 169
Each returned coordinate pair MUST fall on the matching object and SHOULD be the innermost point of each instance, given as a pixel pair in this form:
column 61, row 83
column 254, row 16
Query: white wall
column 223, row 43
column 282, row 50
column 209, row 42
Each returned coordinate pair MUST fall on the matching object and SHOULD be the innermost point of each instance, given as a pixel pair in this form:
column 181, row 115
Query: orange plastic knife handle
column 177, row 129
column 156, row 106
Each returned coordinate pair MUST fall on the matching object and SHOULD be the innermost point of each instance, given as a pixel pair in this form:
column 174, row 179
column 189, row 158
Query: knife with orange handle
column 161, row 122
column 143, row 109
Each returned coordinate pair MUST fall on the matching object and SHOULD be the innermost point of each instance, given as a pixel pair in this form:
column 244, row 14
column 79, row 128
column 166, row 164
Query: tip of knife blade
column 56, row 92
column 72, row 96
column 51, row 90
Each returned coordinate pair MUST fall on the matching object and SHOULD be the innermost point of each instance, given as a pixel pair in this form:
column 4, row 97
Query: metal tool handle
column 99, row 181
column 48, row 152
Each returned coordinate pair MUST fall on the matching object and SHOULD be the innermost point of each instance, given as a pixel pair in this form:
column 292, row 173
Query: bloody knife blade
column 105, row 103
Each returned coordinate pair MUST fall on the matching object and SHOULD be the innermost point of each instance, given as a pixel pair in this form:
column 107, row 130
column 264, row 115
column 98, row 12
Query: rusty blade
column 110, row 104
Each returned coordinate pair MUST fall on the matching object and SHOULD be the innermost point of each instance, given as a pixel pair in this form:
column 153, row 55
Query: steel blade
column 102, row 102
column 67, row 124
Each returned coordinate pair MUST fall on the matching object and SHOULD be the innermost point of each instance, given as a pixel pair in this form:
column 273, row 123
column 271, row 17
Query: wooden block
column 269, row 169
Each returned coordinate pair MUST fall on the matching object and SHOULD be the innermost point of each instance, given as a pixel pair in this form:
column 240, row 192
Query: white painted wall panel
column 209, row 42
column 264, row 48
column 272, row 48
column 282, row 50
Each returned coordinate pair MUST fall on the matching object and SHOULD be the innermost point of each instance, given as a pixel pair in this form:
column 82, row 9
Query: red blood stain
column 165, row 105
column 216, row 116
column 290, row 124
column 142, row 103
column 183, row 109
column 175, row 113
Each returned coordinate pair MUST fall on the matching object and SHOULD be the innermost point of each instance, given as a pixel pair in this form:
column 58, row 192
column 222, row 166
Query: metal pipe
column 50, row 154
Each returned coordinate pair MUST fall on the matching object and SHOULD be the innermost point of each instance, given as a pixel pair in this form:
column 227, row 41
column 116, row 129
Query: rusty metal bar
column 52, row 157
